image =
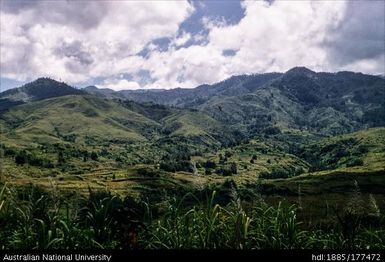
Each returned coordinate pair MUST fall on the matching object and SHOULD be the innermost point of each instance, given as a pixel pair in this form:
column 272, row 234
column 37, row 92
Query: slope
column 183, row 97
column 77, row 119
column 324, row 103
column 40, row 89
column 340, row 164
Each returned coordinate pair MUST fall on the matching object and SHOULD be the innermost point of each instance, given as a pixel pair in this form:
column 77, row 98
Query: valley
column 312, row 139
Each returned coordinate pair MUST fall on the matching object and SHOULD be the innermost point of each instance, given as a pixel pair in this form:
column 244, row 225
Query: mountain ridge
column 39, row 89
column 325, row 103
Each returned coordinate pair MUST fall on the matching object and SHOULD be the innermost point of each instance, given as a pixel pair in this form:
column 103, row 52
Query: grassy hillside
column 254, row 148
column 77, row 119
column 337, row 164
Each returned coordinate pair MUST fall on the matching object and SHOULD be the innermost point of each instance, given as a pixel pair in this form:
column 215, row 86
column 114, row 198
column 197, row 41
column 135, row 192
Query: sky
column 167, row 44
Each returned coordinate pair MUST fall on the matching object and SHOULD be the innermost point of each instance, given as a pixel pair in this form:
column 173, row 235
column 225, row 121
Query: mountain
column 75, row 118
column 281, row 128
column 41, row 88
column 183, row 97
column 326, row 103
column 323, row 103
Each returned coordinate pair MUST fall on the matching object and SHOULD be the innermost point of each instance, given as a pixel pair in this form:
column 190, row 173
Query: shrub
column 172, row 166
column 94, row 156
column 228, row 170
column 355, row 162
column 21, row 158
column 272, row 130
column 275, row 173
column 233, row 168
column 228, row 154
column 25, row 157
column 361, row 149
column 210, row 164
column 147, row 172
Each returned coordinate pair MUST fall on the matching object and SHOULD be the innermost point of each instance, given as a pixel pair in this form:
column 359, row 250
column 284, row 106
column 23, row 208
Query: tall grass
column 203, row 227
column 34, row 219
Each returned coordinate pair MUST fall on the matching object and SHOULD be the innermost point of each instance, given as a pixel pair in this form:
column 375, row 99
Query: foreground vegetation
column 34, row 218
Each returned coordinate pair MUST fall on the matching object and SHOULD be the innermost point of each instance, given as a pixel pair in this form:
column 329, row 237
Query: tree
column 210, row 164
column 94, row 156
column 60, row 158
column 228, row 154
column 233, row 168
column 21, row 158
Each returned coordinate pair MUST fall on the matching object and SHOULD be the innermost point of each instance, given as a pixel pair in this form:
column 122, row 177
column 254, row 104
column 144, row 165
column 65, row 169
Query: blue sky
column 169, row 44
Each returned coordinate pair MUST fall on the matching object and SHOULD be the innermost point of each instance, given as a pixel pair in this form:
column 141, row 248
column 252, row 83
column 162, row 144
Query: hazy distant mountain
column 183, row 97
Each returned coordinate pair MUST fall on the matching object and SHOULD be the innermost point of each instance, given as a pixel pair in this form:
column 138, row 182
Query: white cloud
column 110, row 33
column 277, row 37
column 269, row 38
column 183, row 39
column 79, row 41
column 119, row 84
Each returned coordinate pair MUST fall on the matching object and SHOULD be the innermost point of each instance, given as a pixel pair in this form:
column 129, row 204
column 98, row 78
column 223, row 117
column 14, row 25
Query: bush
column 272, row 130
column 210, row 164
column 228, row 170
column 25, row 157
column 147, row 172
column 228, row 154
column 172, row 166
column 276, row 173
column 233, row 168
column 21, row 158
column 355, row 162
column 94, row 156
column 360, row 150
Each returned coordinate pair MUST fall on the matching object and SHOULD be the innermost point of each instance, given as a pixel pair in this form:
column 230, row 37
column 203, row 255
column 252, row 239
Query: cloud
column 359, row 39
column 120, row 84
column 183, row 39
column 270, row 37
column 77, row 41
column 276, row 36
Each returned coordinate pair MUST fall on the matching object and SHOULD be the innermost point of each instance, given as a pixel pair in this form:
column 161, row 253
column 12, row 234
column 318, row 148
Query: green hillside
column 77, row 119
column 274, row 128
column 337, row 163
column 322, row 103
column 40, row 89
column 243, row 152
